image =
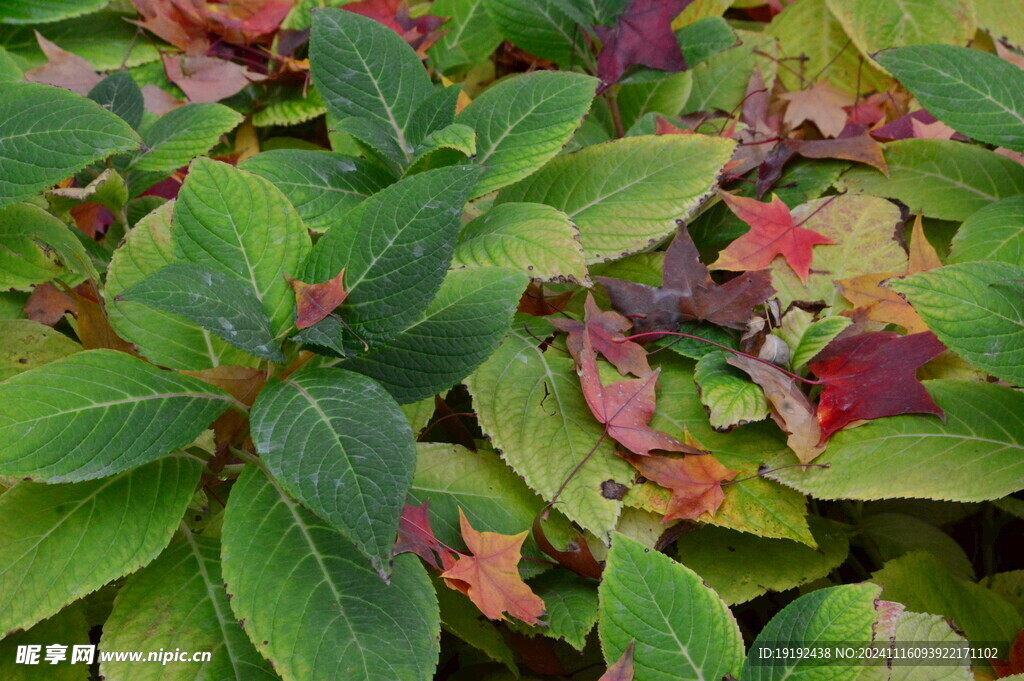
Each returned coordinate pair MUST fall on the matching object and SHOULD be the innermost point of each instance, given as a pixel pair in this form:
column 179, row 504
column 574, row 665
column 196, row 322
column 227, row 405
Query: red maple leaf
column 772, row 233
column 624, row 407
column 420, row 32
column 695, row 481
column 687, row 293
column 872, row 375
column 605, row 331
column 1015, row 665
column 314, row 302
column 416, row 536
column 642, row 35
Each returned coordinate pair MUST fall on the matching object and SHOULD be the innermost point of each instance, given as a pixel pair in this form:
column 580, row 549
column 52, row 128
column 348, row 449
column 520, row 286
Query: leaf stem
column 778, row 468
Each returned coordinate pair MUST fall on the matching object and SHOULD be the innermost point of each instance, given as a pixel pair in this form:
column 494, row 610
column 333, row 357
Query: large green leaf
column 920, row 581
column 570, row 606
column 489, row 493
column 61, row 542
column 119, row 94
column 48, row 134
column 976, row 94
column 537, row 239
column 995, row 233
column 38, row 12
column 741, row 566
column 470, row 35
column 541, row 28
column 26, row 344
column 730, row 397
column 757, row 506
column 890, row 535
column 331, row 618
column 976, row 309
column 977, row 454
column 68, row 626
column 164, row 338
column 24, row 229
column 341, row 445
column 933, row 629
column 940, row 178
column 218, row 302
column 183, row 133
column 523, row 121
column 364, row 69
column 863, row 232
column 836, row 614
column 236, row 222
column 665, row 96
column 875, row 26
column 323, row 186
column 97, row 413
column 721, row 81
column 396, row 253
column 179, row 601
column 626, row 195
column 550, row 430
column 461, row 327
column 681, row 628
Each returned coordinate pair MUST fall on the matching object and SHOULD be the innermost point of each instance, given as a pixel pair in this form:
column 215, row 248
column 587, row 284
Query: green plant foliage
column 492, row 340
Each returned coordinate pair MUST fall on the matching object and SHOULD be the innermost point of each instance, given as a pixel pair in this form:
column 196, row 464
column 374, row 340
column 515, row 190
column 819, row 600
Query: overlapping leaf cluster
column 474, row 339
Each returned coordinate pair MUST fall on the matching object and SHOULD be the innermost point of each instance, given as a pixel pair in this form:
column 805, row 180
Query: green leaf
column 289, row 105
column 940, row 178
column 323, row 186
column 891, row 535
column 435, row 112
column 341, row 445
column 490, row 494
column 683, row 630
column 1009, row 585
column 806, row 337
column 461, row 327
column 50, row 134
column 165, row 339
column 975, row 456
column 993, row 233
column 921, row 582
column 68, row 626
column 757, row 506
column 541, row 28
column 179, row 601
column 570, row 606
column 741, row 567
column 332, row 618
column 704, row 38
column 9, row 69
column 916, row 626
column 999, row 24
column 104, row 39
column 531, row 237
column 183, row 133
column 523, row 121
column 976, row 309
column 470, row 35
column 666, row 96
column 377, row 140
column 721, row 81
column 862, row 229
column 25, row 344
column 61, row 542
column 233, row 221
column 875, row 26
column 25, row 222
column 362, row 68
column 838, row 613
column 97, row 413
column 976, row 94
column 218, row 302
column 462, row 619
column 827, row 51
column 447, row 146
column 551, row 429
column 119, row 94
column 36, row 12
column 395, row 252
column 626, row 195
column 729, row 396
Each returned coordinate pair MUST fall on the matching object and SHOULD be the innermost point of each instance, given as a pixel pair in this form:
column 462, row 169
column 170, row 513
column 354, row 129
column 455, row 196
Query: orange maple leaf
column 772, row 233
column 695, row 481
column 880, row 304
column 490, row 577
column 822, row 104
column 314, row 302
